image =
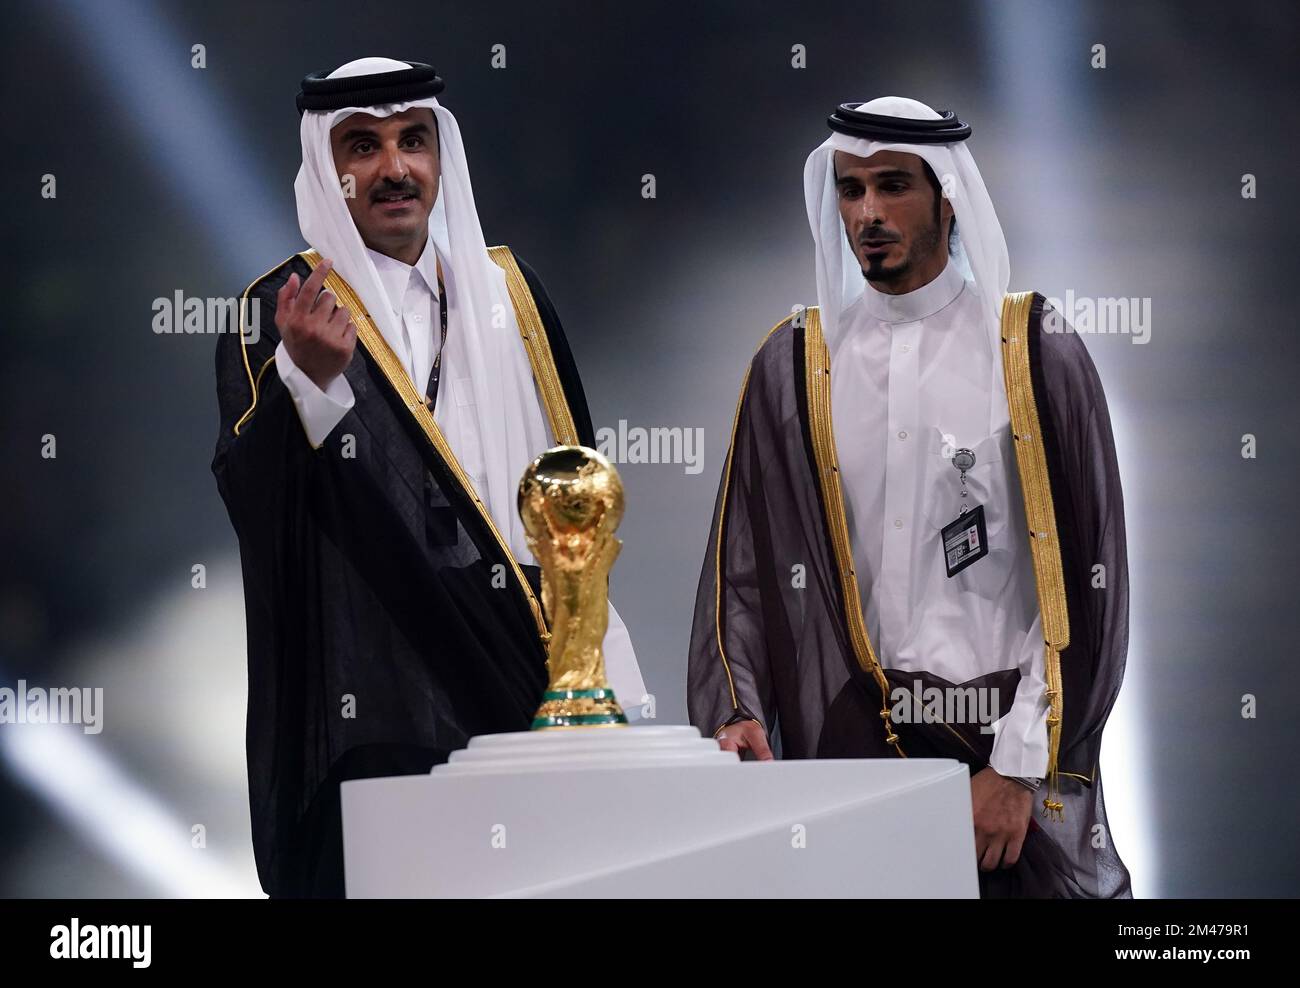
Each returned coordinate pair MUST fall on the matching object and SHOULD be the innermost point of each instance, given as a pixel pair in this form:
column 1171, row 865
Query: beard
column 925, row 243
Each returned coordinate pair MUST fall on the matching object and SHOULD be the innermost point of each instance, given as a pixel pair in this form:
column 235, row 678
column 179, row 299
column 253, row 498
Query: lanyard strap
column 431, row 392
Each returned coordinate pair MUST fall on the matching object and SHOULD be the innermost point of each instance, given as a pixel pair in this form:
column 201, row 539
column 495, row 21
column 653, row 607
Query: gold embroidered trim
column 1040, row 515
column 257, row 384
column 539, row 348
column 817, row 372
column 243, row 345
column 373, row 340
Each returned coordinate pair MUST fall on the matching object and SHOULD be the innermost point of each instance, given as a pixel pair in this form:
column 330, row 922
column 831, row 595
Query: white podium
column 643, row 812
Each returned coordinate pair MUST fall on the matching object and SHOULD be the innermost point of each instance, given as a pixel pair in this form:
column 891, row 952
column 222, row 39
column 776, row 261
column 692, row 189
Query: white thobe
column 911, row 381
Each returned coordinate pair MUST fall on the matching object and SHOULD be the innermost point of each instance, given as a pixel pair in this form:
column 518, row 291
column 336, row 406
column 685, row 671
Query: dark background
column 1122, row 181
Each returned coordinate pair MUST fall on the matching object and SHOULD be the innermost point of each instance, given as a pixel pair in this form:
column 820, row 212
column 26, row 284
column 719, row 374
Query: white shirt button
column 898, row 522
column 902, row 434
column 907, row 348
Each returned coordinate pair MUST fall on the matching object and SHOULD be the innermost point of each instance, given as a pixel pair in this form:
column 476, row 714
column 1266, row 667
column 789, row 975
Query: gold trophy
column 571, row 501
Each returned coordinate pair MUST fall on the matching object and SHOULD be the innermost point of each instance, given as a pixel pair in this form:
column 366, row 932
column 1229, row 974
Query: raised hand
column 316, row 330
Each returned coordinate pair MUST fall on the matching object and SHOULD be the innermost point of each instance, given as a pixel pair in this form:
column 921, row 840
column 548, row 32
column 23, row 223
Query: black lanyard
column 431, row 392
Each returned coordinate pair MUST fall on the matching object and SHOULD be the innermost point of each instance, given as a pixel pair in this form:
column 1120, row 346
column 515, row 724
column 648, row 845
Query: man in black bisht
column 392, row 604
column 953, row 531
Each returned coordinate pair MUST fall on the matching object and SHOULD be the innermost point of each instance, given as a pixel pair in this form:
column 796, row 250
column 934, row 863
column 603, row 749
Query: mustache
column 879, row 235
column 406, row 187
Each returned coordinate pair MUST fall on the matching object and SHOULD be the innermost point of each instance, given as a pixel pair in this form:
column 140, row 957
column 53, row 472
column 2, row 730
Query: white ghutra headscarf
column 981, row 255
column 486, row 347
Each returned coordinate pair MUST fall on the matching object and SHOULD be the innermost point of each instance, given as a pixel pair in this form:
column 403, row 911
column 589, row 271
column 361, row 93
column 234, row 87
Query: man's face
column 891, row 217
column 393, row 161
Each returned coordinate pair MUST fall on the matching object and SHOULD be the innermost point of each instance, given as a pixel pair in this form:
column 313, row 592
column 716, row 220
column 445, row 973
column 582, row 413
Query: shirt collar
column 396, row 275
column 911, row 306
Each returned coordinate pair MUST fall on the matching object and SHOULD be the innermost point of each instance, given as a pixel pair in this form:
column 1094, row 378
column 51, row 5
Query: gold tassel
column 1053, row 807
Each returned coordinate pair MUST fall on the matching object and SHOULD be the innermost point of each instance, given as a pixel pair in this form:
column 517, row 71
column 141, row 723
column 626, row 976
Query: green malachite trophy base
column 578, row 708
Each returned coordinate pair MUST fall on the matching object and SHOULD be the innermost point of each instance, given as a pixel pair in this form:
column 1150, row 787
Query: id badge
column 965, row 541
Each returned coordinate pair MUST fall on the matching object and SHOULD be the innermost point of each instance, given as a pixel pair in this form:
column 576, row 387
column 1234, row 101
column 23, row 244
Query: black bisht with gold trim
column 381, row 633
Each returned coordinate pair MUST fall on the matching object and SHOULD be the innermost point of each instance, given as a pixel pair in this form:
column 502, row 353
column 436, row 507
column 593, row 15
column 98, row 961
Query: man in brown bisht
column 954, row 531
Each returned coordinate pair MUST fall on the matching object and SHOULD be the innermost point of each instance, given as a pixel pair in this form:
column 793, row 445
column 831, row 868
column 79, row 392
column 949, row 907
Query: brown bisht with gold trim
column 792, row 656
column 387, row 621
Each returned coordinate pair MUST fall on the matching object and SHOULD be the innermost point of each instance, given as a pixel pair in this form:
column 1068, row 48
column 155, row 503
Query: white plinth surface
column 658, row 812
